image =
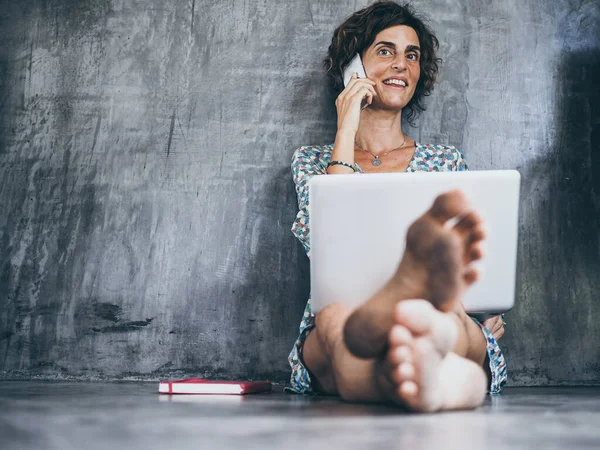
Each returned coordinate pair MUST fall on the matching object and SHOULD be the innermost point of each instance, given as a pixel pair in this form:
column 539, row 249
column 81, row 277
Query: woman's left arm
column 496, row 326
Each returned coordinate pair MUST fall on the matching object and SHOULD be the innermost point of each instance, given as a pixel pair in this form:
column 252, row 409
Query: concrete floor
column 61, row 415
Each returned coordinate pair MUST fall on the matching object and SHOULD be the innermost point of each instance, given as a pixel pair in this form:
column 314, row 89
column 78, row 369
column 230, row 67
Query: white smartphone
column 355, row 65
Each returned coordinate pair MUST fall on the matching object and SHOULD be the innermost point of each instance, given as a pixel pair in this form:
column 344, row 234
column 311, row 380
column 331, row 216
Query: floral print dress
column 309, row 161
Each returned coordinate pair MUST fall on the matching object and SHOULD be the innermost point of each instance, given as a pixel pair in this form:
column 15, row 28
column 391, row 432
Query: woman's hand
column 349, row 102
column 496, row 326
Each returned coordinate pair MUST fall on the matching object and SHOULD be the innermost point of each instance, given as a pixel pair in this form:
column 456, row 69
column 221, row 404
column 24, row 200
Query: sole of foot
column 419, row 370
column 436, row 266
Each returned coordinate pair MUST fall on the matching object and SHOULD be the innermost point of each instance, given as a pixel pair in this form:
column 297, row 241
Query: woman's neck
column 380, row 130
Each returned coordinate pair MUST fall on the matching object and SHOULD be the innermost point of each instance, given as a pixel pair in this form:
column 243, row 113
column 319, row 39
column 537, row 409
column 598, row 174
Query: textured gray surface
column 146, row 198
column 93, row 416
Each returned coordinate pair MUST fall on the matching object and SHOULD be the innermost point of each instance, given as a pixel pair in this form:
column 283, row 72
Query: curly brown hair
column 358, row 32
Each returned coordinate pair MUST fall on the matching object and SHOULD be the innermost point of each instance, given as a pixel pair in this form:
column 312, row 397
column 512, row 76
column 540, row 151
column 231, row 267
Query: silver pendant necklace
column 376, row 161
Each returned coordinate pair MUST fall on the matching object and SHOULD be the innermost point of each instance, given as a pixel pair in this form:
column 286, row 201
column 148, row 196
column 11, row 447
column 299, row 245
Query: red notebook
column 200, row 386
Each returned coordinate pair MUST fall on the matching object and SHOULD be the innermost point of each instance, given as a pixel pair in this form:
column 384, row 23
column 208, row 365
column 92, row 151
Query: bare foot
column 419, row 371
column 435, row 266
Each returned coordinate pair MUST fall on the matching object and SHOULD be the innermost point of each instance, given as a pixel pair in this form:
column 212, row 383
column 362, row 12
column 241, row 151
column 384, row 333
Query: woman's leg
column 457, row 382
column 471, row 341
column 436, row 266
column 334, row 370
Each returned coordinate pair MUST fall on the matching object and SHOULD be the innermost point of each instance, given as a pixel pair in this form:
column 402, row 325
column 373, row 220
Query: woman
column 426, row 355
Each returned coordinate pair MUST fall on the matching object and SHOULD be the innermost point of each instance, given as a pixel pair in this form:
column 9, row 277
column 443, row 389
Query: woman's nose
column 399, row 62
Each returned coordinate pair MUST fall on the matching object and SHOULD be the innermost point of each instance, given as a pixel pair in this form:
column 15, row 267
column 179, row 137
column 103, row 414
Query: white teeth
column 398, row 82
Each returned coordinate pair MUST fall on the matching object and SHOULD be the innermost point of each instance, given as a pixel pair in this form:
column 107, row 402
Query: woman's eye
column 413, row 57
column 384, row 52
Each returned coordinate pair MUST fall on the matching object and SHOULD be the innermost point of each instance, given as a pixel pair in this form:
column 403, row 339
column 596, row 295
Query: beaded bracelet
column 341, row 163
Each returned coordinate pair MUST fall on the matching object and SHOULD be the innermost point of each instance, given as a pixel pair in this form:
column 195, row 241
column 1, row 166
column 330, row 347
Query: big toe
column 421, row 318
column 449, row 205
column 415, row 315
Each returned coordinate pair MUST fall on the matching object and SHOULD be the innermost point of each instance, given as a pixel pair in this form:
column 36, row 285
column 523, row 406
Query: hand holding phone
column 358, row 93
column 355, row 66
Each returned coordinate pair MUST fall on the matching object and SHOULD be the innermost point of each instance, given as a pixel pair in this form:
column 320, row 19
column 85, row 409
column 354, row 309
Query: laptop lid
column 358, row 226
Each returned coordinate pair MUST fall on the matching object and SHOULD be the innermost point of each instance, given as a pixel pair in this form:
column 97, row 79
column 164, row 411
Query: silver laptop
column 358, row 227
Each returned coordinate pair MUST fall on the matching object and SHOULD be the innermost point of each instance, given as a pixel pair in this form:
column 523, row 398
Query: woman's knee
column 330, row 322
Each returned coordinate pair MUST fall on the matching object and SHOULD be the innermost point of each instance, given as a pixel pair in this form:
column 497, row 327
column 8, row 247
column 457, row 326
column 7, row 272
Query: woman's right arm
column 348, row 105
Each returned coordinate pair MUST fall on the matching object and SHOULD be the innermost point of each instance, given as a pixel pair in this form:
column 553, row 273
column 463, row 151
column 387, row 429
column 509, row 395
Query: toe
column 471, row 276
column 408, row 390
column 415, row 315
column 406, row 371
column 476, row 234
column 468, row 222
column 448, row 205
column 403, row 373
column 399, row 355
column 474, row 252
column 399, row 336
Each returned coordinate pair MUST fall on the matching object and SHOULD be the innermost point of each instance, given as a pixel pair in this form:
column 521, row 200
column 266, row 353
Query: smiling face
column 392, row 62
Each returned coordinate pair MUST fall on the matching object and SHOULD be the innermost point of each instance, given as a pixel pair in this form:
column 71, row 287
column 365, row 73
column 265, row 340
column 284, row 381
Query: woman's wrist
column 341, row 163
column 343, row 150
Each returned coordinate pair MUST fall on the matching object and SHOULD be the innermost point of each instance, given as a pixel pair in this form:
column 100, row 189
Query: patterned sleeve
column 306, row 163
column 460, row 161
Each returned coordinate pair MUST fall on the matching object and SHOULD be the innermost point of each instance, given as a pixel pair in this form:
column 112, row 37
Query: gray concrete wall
column 146, row 197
